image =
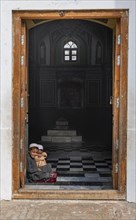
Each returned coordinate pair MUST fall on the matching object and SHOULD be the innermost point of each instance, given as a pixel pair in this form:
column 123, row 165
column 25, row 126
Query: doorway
column 70, row 83
column 83, row 91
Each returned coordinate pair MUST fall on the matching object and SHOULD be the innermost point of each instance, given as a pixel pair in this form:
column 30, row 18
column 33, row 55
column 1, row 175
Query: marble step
column 62, row 127
column 61, row 133
column 61, row 122
column 64, row 139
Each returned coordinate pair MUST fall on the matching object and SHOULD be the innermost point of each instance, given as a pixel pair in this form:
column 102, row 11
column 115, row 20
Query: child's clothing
column 40, row 159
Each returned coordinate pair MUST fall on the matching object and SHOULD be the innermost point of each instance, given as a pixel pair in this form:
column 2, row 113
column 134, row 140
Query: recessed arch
column 99, row 53
column 42, row 53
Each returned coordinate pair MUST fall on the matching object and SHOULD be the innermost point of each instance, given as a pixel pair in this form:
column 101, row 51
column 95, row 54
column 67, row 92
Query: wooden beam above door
column 69, row 14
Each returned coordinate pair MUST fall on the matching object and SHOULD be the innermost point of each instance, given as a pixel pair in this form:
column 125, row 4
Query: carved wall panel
column 32, row 88
column 47, row 93
column 70, row 95
column 93, row 92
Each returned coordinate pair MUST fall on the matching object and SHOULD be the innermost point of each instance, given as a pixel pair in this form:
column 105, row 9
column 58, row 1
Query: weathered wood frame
column 120, row 120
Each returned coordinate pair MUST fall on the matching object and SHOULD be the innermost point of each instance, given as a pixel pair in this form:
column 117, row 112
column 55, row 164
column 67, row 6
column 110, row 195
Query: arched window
column 70, row 52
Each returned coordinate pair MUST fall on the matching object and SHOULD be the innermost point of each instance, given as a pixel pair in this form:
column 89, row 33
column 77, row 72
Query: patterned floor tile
column 81, row 166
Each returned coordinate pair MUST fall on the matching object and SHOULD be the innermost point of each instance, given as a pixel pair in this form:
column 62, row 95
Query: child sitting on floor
column 41, row 156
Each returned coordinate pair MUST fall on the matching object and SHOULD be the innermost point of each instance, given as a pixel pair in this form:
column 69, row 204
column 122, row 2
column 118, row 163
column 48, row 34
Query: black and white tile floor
column 80, row 166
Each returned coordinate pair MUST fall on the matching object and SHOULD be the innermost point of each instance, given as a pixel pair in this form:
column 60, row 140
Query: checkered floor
column 80, row 166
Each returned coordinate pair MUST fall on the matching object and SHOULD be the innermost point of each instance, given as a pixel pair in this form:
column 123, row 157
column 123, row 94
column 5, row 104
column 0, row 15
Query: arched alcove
column 99, row 53
column 42, row 53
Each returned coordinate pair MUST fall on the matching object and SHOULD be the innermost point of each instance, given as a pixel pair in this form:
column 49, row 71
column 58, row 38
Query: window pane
column 70, row 44
column 67, row 46
column 73, row 46
column 66, row 52
column 74, row 57
column 74, row 52
column 66, row 57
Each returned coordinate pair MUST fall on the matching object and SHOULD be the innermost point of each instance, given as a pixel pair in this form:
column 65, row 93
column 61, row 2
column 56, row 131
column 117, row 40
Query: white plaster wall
column 6, row 7
column 131, row 135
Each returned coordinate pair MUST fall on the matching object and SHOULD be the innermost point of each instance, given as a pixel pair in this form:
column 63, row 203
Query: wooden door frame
column 120, row 71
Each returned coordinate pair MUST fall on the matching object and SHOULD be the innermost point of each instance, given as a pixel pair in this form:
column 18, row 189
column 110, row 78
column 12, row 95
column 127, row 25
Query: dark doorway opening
column 70, row 80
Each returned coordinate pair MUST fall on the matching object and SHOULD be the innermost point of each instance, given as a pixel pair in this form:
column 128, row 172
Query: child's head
column 40, row 148
column 33, row 149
